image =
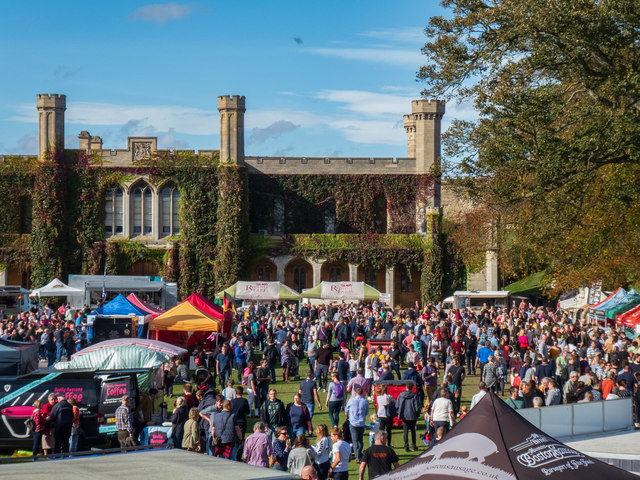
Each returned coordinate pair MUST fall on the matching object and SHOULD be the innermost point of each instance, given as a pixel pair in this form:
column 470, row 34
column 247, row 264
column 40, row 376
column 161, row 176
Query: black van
column 98, row 393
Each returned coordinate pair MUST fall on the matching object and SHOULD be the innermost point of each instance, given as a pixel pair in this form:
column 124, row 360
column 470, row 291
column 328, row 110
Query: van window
column 114, row 389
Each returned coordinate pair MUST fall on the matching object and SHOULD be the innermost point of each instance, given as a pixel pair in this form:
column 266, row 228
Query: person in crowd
column 75, row 426
column 301, row 455
column 442, row 414
column 273, row 413
column 257, row 447
column 241, row 409
column 482, row 391
column 39, row 427
column 409, row 407
column 190, row 439
column 356, row 411
column 386, row 410
column 223, row 366
column 309, row 392
column 182, row 372
column 62, row 420
column 323, row 450
column 309, row 473
column 281, row 446
column 178, row 419
column 514, row 401
column 380, row 458
column 341, row 451
column 299, row 417
column 335, row 400
column 226, row 432
column 123, row 423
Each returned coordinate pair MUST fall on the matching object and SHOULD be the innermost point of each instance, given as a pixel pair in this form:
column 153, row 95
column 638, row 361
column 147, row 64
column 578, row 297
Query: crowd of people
column 544, row 357
column 344, row 354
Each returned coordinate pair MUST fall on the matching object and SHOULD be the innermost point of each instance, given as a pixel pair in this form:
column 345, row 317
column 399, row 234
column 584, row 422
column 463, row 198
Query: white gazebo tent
column 55, row 288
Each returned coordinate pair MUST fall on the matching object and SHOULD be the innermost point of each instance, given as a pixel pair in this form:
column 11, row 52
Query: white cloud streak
column 400, row 57
column 161, row 13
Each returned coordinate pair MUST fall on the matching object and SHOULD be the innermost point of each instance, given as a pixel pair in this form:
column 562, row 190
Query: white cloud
column 401, row 35
column 161, row 13
column 401, row 57
column 370, row 131
column 369, row 103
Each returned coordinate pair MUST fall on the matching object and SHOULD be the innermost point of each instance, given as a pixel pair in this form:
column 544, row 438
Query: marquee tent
column 624, row 307
column 359, row 291
column 629, row 318
column 119, row 306
column 186, row 317
column 153, row 311
column 494, row 441
column 123, row 353
column 55, row 288
column 607, row 301
column 205, row 305
column 266, row 291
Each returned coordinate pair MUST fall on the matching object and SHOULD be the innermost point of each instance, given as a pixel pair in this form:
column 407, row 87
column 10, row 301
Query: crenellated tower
column 51, row 109
column 231, row 110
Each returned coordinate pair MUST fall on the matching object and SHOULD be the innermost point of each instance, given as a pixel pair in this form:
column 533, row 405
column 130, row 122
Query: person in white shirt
column 341, row 451
column 478, row 396
column 442, row 414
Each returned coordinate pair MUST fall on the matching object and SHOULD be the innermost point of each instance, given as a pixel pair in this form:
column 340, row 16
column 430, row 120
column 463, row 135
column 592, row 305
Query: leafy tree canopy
column 553, row 159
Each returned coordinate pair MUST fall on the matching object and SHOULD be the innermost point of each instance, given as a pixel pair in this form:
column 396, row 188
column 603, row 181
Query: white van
column 475, row 299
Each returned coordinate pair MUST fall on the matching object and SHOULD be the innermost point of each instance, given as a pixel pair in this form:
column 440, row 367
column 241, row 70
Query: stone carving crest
column 141, row 150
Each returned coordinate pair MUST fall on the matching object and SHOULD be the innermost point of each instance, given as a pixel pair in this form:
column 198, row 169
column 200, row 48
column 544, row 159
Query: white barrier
column 582, row 418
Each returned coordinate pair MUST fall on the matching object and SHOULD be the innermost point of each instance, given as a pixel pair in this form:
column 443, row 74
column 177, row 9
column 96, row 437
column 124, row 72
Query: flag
column 104, row 282
column 228, row 303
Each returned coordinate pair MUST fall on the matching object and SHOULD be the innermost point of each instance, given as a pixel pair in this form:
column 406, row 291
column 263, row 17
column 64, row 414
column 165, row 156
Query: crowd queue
column 545, row 357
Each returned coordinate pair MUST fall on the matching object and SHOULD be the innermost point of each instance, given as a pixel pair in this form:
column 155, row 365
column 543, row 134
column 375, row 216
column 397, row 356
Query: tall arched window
column 142, row 210
column 264, row 274
column 114, row 211
column 299, row 278
column 169, row 203
column 370, row 277
column 335, row 274
column 406, row 282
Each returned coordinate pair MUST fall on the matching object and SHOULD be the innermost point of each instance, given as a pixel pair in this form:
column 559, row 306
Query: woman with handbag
column 300, row 455
column 38, row 427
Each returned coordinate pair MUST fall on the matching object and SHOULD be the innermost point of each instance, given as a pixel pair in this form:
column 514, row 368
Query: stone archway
column 334, row 272
column 264, row 271
column 372, row 277
column 298, row 274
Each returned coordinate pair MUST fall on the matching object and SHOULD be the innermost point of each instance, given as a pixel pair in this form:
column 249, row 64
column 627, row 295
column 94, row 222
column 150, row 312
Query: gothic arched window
column 114, row 211
column 142, row 210
column 169, row 204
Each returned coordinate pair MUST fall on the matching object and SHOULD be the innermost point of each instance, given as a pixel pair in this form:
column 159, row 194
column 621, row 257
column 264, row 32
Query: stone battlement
column 231, row 102
column 54, row 100
column 330, row 165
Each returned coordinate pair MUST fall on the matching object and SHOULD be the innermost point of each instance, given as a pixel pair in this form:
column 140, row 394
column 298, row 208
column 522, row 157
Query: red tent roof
column 204, row 305
column 629, row 318
column 133, row 298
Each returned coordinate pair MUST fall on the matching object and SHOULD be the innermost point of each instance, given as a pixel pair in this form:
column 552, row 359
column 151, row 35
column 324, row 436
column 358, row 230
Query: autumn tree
column 554, row 153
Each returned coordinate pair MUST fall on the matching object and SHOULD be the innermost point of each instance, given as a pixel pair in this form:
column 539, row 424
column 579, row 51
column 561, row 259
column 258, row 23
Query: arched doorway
column 264, row 271
column 372, row 277
column 298, row 274
column 406, row 285
column 334, row 272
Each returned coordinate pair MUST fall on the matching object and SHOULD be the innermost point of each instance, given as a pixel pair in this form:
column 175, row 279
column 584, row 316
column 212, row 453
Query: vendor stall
column 343, row 292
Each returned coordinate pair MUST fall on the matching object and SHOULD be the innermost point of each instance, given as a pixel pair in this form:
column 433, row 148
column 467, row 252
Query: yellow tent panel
column 185, row 317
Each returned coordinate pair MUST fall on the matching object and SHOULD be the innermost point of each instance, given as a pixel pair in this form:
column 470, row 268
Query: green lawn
column 286, row 392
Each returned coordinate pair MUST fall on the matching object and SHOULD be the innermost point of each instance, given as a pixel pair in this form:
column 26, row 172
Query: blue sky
column 320, row 78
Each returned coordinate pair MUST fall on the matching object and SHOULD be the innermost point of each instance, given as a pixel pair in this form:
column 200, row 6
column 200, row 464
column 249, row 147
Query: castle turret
column 231, row 110
column 51, row 109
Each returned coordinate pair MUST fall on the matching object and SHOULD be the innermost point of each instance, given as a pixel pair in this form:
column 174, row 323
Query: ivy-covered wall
column 217, row 202
column 353, row 200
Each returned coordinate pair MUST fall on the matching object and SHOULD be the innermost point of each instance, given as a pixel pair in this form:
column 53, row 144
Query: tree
column 554, row 154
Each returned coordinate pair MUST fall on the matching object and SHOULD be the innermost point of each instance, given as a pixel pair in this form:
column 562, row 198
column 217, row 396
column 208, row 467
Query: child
column 191, row 435
column 463, row 411
column 373, row 427
column 353, row 365
column 229, row 393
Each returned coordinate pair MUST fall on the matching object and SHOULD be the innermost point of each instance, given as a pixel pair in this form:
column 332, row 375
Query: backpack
column 338, row 390
column 390, row 409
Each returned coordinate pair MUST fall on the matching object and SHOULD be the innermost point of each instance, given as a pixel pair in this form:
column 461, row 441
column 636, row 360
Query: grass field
column 286, row 391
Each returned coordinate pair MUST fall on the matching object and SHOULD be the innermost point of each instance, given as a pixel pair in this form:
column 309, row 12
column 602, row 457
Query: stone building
column 144, row 209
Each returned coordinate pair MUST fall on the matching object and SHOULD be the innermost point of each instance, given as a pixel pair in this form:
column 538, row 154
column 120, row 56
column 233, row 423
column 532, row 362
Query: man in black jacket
column 409, row 407
column 273, row 413
column 62, row 420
